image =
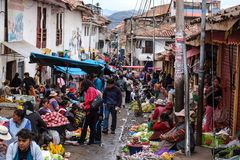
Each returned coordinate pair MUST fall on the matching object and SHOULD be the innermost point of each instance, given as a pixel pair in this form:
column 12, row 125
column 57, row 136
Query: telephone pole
column 201, row 74
column 131, row 41
column 181, row 72
column 179, row 40
column 154, row 36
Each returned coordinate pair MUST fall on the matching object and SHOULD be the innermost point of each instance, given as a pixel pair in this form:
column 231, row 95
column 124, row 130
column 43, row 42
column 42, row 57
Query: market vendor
column 45, row 107
column 4, row 136
column 159, row 109
column 18, row 122
column 162, row 126
column 6, row 89
column 37, row 123
column 175, row 138
column 71, row 94
column 24, row 148
column 53, row 101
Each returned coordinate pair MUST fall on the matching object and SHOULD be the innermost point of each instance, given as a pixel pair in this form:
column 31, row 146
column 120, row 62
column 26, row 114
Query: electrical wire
column 135, row 8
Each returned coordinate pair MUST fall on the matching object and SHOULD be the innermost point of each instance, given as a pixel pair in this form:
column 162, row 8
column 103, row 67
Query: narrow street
column 107, row 151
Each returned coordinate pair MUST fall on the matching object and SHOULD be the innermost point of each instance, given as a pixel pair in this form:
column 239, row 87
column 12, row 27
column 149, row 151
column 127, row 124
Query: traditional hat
column 160, row 102
column 4, row 134
column 181, row 113
column 52, row 94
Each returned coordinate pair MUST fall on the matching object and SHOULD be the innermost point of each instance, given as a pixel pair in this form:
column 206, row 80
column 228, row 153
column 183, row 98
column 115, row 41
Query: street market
column 159, row 83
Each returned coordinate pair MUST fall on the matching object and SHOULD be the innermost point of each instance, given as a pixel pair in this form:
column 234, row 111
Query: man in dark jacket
column 112, row 100
column 37, row 123
column 27, row 82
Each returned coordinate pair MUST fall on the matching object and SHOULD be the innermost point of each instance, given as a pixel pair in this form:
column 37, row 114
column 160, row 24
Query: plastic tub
column 133, row 149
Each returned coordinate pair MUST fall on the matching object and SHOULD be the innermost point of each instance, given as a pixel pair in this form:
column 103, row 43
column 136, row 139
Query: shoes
column 112, row 132
column 105, row 131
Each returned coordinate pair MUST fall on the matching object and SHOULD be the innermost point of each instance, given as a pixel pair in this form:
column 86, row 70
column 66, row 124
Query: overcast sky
column 120, row 5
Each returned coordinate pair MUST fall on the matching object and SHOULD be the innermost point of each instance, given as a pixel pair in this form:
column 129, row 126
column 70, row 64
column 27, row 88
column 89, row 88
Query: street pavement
column 106, row 151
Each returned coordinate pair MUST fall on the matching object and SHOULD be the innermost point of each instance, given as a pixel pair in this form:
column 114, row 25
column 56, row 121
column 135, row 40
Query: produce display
column 55, row 149
column 134, row 106
column 54, row 119
column 147, row 107
column 229, row 152
column 49, row 156
column 2, row 100
column 209, row 140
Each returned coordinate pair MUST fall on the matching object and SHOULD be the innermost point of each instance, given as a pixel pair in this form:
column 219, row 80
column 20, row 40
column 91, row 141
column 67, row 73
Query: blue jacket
column 13, row 148
column 112, row 96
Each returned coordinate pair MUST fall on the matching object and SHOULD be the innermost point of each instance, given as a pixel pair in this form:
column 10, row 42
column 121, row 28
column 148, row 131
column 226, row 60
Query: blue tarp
column 107, row 69
column 86, row 66
column 71, row 71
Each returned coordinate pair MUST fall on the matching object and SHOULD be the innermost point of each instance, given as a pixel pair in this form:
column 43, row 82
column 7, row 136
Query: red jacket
column 163, row 127
column 89, row 96
column 157, row 112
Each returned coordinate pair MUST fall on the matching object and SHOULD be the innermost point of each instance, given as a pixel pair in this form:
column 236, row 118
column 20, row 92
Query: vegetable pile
column 54, row 119
column 147, row 107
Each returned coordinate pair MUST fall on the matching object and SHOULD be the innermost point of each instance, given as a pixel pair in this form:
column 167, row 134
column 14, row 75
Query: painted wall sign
column 15, row 20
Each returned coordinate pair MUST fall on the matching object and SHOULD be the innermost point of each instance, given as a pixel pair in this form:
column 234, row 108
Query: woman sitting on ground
column 45, row 107
column 24, row 148
column 175, row 138
column 18, row 122
column 160, row 127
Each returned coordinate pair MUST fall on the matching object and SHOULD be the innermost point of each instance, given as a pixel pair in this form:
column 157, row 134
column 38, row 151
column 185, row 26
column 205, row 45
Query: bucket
column 133, row 149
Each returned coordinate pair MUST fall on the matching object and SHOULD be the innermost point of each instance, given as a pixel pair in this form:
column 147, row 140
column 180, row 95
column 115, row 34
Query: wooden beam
column 236, row 94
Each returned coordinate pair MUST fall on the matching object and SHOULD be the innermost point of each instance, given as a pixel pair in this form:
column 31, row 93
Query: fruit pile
column 55, row 149
column 54, row 119
column 147, row 107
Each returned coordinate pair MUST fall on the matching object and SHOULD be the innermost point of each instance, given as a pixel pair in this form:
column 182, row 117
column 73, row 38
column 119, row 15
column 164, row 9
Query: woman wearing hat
column 159, row 109
column 4, row 136
column 53, row 100
column 175, row 138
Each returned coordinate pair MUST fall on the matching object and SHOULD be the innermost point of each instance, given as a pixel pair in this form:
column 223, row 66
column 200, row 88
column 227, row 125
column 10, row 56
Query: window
column 148, row 47
column 86, row 31
column 59, row 27
column 41, row 27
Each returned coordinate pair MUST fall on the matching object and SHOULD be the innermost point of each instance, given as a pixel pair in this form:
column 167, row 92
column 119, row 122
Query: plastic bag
column 56, row 136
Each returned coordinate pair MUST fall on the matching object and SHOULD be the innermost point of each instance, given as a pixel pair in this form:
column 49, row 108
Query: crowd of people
column 25, row 130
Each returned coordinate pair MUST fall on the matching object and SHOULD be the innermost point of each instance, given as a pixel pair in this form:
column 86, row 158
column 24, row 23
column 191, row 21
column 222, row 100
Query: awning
column 22, row 47
column 133, row 67
column 192, row 52
column 107, row 69
column 47, row 60
column 71, row 71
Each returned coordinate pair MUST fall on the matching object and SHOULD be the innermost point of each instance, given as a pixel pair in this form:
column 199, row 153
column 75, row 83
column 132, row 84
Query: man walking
column 122, row 85
column 112, row 100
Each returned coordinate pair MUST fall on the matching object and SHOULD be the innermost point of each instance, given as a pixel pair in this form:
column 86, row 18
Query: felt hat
column 4, row 134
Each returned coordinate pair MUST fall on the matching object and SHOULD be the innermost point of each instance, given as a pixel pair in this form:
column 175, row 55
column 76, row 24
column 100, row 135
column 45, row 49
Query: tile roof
column 157, row 11
column 223, row 15
column 166, row 30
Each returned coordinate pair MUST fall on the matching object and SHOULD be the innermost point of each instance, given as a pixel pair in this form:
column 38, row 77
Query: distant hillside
column 108, row 12
column 118, row 17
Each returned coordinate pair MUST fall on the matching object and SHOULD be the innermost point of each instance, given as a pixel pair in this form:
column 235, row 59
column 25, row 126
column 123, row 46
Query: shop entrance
column 11, row 70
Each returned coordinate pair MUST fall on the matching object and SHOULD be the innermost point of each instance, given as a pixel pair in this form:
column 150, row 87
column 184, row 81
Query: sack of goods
column 54, row 119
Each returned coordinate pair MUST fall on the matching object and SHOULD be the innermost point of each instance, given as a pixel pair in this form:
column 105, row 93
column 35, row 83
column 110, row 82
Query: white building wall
column 94, row 38
column 159, row 47
column 72, row 21
column 2, row 58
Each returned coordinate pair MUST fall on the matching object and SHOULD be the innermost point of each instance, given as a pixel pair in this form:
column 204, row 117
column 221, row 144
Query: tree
column 97, row 4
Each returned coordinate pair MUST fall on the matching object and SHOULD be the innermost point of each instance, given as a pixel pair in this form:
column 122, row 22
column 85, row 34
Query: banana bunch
column 166, row 156
column 55, row 149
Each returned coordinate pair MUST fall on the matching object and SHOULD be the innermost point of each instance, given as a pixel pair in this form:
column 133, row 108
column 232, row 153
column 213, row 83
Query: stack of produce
column 5, row 100
column 142, row 155
column 55, row 149
column 147, row 107
column 54, row 119
column 134, row 106
column 229, row 153
column 49, row 156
